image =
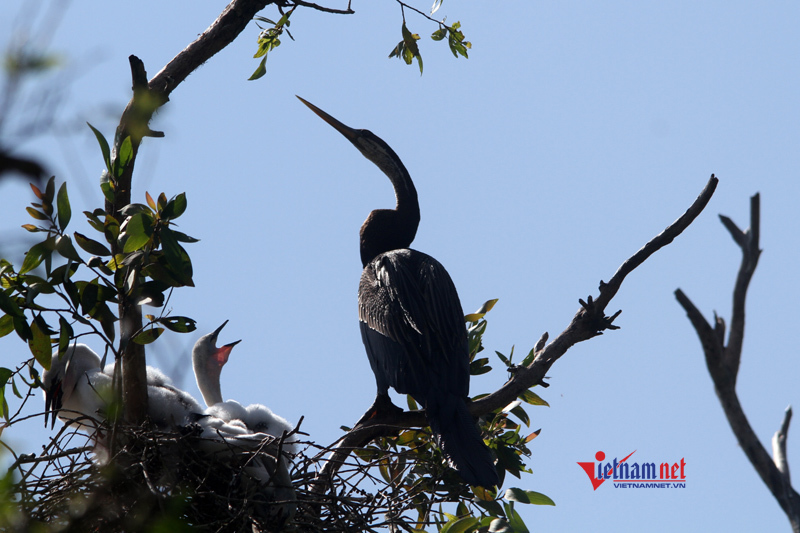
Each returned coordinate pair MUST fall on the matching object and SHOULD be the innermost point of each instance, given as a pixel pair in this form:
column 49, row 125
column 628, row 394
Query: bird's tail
column 460, row 440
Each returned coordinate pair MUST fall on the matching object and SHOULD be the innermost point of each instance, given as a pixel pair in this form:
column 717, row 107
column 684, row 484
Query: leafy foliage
column 408, row 50
column 455, row 38
column 268, row 40
column 58, row 290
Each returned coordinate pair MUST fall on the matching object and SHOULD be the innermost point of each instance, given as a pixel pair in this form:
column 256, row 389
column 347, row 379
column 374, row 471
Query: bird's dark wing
column 412, row 325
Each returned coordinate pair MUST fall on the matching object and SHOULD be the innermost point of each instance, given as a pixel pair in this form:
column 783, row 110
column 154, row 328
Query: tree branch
column 723, row 366
column 588, row 322
column 148, row 97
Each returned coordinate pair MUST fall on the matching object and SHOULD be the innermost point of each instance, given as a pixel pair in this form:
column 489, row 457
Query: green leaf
column 6, row 325
column 111, row 229
column 412, row 405
column 36, row 254
column 89, row 295
column 9, row 306
column 64, row 336
column 38, row 215
column 22, row 328
column 107, row 186
column 479, row 366
column 40, row 346
column 529, row 358
column 64, row 210
column 124, row 156
column 532, row 398
column 31, row 228
column 485, row 308
column 175, row 207
column 460, row 525
column 176, row 257
column 38, row 285
column 148, row 335
column 49, row 194
column 138, row 231
column 439, row 34
column 107, row 320
column 260, row 70
column 527, row 496
column 486, row 502
column 62, row 273
column 182, row 237
column 514, row 519
column 520, row 413
column 66, row 249
column 5, row 375
column 412, row 50
column 42, row 324
column 91, row 246
column 103, row 146
column 181, row 324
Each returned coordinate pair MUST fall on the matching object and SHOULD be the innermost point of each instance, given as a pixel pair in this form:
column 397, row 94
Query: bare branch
column 750, row 255
column 723, row 366
column 609, row 290
column 324, row 9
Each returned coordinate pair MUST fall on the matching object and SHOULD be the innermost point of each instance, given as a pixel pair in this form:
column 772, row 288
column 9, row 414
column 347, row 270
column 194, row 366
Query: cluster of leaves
column 413, row 467
column 141, row 260
column 408, row 50
column 269, row 39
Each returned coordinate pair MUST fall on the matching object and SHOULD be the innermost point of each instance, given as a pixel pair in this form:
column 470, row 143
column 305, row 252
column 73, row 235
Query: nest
column 154, row 480
column 149, row 479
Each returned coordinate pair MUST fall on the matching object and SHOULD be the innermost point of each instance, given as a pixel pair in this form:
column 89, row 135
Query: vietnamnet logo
column 631, row 475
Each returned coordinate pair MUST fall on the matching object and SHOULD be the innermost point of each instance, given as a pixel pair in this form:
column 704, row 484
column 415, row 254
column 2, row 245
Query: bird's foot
column 382, row 408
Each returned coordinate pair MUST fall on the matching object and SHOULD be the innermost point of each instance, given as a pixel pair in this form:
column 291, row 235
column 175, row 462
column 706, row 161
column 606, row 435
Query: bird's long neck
column 207, row 374
column 391, row 229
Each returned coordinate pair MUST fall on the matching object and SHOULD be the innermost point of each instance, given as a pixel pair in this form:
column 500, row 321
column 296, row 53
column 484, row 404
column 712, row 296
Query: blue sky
column 574, row 133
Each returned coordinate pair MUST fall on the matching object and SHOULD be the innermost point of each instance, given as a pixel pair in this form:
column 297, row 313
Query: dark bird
column 411, row 319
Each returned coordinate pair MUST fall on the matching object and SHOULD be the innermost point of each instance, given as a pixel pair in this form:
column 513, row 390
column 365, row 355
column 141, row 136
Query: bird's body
column 78, row 391
column 207, row 361
column 411, row 319
column 246, row 428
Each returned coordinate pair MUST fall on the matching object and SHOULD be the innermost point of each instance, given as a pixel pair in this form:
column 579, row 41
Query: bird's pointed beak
column 52, row 402
column 218, row 330
column 347, row 131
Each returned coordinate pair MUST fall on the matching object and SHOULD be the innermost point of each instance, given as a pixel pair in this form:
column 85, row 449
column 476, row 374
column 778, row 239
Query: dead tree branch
column 590, row 321
column 723, row 365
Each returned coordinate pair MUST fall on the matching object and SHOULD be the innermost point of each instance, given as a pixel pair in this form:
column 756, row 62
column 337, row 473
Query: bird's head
column 372, row 147
column 206, row 353
column 52, row 385
column 58, row 382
